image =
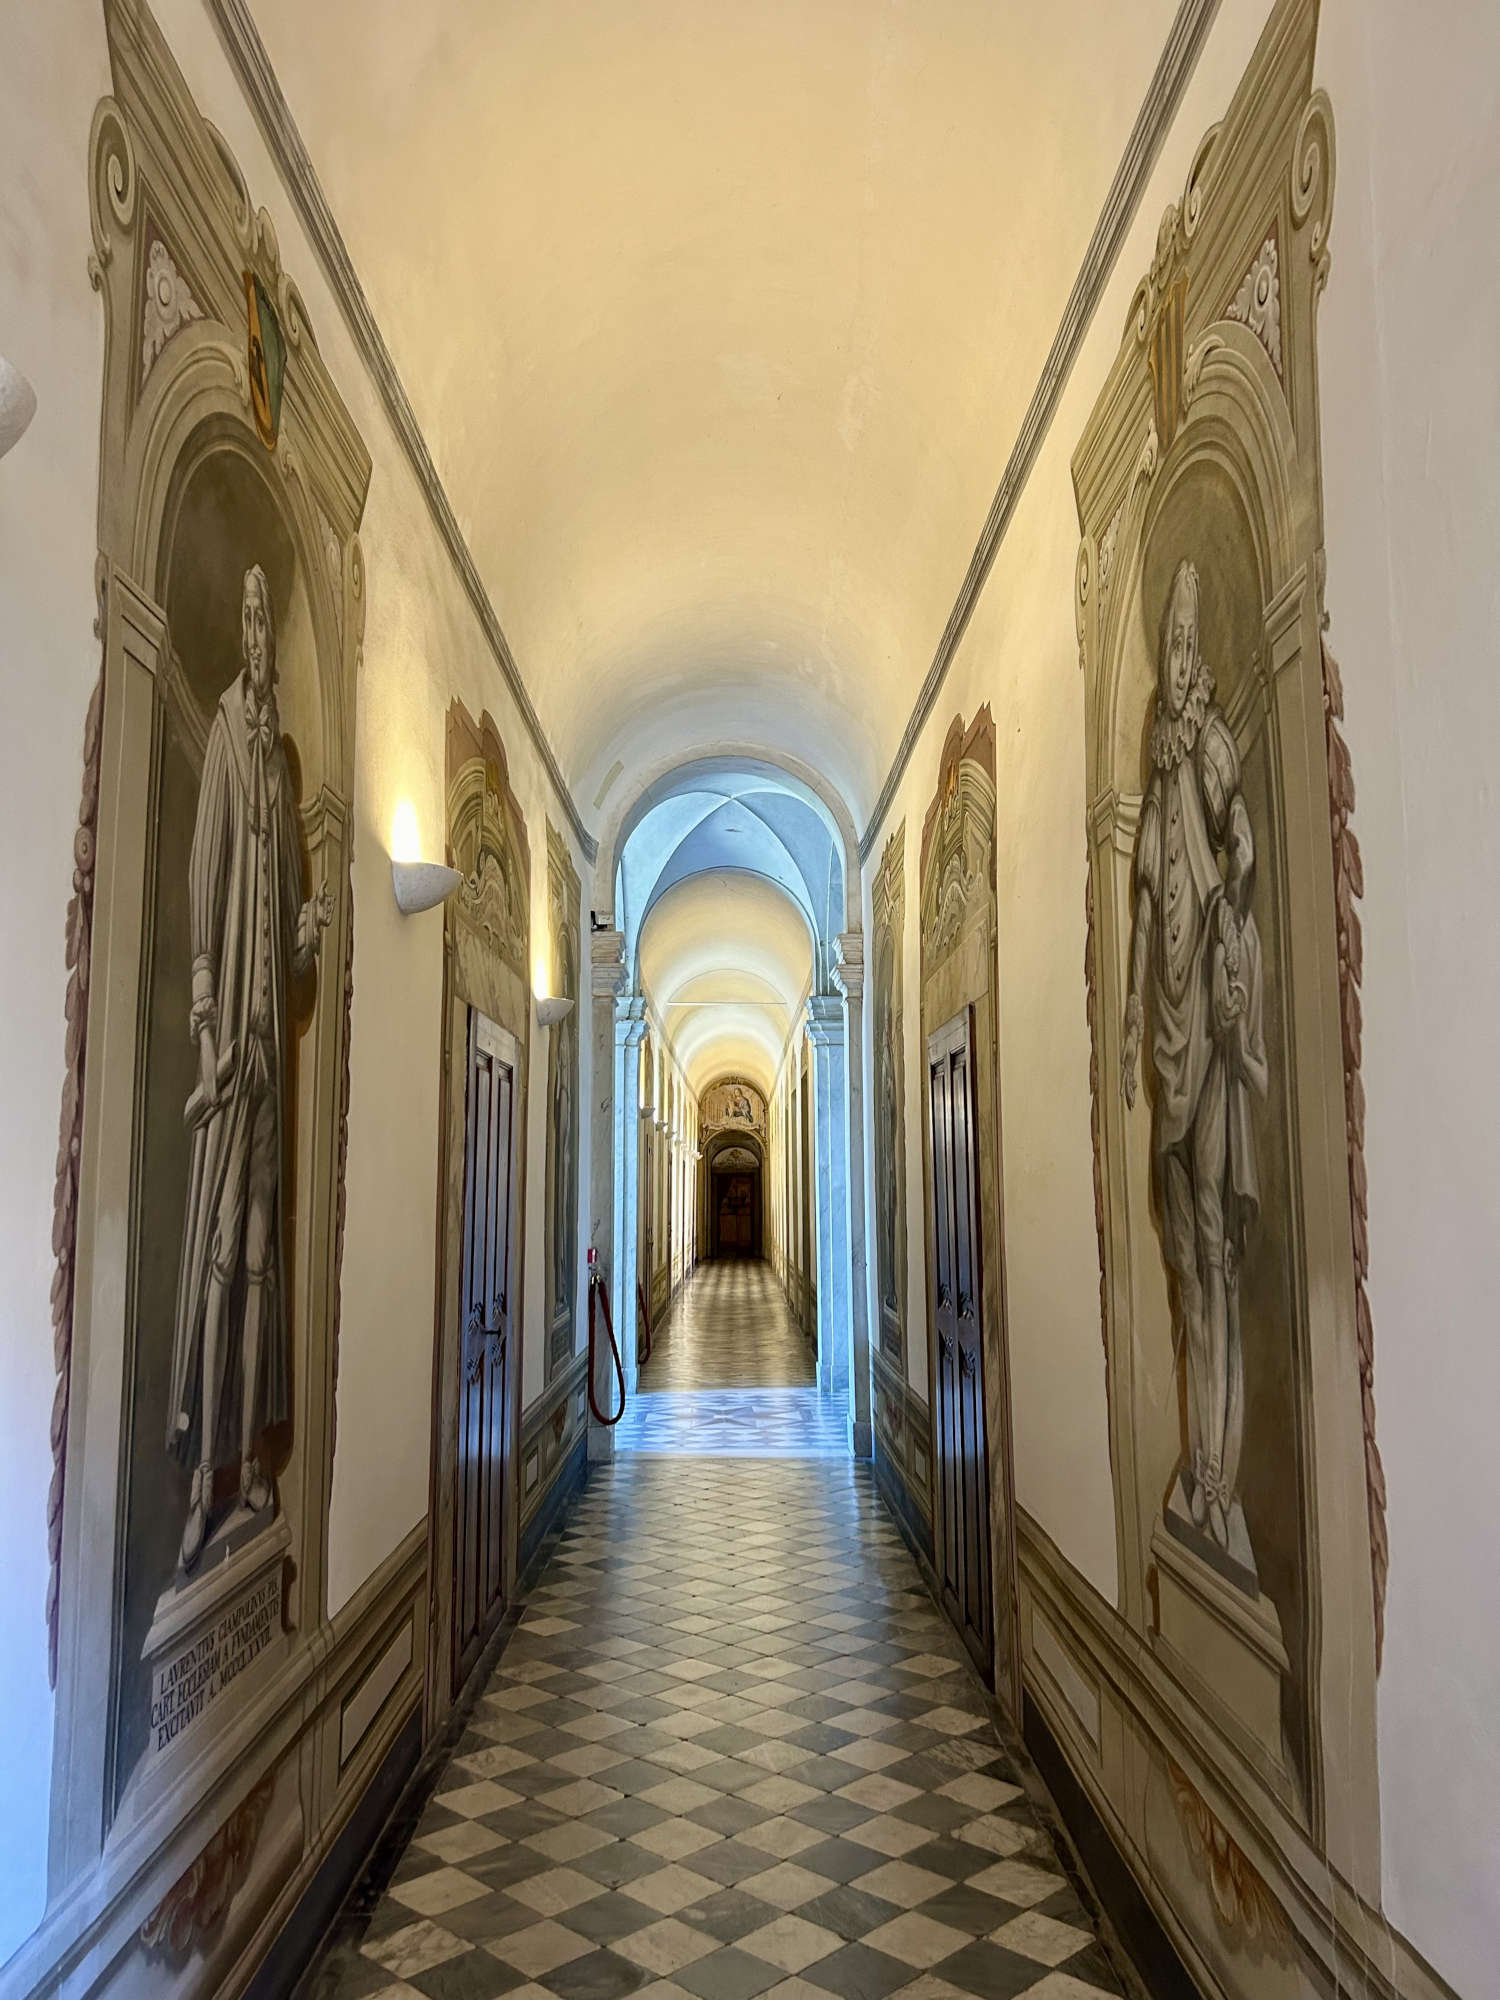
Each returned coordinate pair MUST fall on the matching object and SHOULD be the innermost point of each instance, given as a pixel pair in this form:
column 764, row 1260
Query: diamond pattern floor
column 731, row 1328
column 732, row 1376
column 736, row 1423
column 732, row 1749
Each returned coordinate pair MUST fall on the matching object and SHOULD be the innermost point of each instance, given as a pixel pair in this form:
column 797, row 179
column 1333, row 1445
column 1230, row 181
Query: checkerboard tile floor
column 730, row 1750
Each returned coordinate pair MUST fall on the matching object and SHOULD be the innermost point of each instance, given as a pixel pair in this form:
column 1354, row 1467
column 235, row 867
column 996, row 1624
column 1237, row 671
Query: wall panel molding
column 1335, row 1934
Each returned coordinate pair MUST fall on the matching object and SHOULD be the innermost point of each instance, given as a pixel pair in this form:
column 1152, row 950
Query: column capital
column 849, row 964
column 825, row 1020
column 607, row 975
column 630, row 1020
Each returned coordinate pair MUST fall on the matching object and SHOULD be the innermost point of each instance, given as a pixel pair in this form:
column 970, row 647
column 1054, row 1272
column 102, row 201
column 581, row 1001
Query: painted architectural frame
column 959, row 969
column 1222, row 978
column 204, row 1748
column 486, row 967
column 564, row 902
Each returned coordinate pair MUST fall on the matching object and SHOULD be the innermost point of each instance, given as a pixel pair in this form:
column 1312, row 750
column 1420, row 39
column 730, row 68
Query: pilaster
column 849, row 979
column 826, row 1032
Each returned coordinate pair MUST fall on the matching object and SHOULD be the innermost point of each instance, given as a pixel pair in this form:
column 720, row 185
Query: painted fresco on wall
column 487, row 972
column 234, row 943
column 968, row 1363
column 1221, row 979
column 563, row 905
column 200, row 1231
column 733, row 1101
column 889, row 904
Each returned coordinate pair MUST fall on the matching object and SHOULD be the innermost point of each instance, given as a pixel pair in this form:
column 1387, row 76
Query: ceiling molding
column 1153, row 121
column 247, row 53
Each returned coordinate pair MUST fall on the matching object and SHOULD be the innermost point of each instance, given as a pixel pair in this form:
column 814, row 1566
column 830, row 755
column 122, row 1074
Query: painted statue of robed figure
column 252, row 932
column 1195, row 957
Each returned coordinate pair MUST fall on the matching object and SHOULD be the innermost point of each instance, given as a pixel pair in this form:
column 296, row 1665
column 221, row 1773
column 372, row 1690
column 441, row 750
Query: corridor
column 731, row 1748
column 731, row 1376
column 823, row 670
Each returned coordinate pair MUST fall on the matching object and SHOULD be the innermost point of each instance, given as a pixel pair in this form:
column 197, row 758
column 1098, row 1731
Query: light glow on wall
column 406, row 835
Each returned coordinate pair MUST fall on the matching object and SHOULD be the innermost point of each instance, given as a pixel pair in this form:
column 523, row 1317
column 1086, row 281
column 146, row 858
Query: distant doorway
column 736, row 1213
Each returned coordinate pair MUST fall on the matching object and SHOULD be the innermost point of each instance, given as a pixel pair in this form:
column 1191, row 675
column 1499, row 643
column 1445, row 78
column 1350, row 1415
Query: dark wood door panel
column 963, row 1540
column 484, row 1349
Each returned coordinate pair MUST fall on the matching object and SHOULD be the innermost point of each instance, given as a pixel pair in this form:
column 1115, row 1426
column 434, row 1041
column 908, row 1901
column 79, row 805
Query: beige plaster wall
column 1409, row 330
column 1411, row 428
column 422, row 646
column 54, row 69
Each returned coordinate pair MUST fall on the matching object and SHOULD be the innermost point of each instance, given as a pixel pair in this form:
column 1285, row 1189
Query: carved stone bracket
column 608, row 977
column 1257, row 303
column 169, row 303
column 849, row 965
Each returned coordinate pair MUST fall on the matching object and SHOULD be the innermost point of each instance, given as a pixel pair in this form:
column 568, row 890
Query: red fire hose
column 598, row 1293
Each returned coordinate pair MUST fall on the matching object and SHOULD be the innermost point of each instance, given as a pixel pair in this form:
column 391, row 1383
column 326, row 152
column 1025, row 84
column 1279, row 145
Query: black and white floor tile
column 732, row 1749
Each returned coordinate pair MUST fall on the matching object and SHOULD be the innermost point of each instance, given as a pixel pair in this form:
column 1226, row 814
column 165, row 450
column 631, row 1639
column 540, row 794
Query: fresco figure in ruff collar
column 1195, row 967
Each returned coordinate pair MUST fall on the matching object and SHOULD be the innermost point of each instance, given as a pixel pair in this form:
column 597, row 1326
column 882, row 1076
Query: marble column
column 630, row 1032
column 849, row 978
column 607, row 983
column 825, row 1030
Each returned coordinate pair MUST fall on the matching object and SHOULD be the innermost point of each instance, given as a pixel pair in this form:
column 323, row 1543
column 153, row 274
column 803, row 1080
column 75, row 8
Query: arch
column 729, row 1142
column 724, row 960
column 671, row 775
column 1237, row 423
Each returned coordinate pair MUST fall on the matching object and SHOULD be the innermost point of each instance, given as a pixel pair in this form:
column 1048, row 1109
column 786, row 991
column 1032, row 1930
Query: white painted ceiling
column 720, row 318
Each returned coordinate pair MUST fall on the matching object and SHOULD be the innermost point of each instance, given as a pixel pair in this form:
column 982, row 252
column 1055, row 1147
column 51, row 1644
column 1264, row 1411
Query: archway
column 711, row 868
column 735, row 1163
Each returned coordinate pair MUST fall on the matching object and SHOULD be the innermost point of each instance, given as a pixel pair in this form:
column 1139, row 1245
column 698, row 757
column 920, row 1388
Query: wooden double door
column 961, row 1445
column 485, row 1346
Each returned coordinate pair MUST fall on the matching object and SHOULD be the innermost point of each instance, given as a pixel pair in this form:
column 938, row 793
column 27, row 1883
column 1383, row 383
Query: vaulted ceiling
column 720, row 320
column 726, row 960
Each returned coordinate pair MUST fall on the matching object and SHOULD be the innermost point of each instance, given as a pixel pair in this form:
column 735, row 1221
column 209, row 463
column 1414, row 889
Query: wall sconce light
column 418, row 885
column 550, row 1012
column 17, row 405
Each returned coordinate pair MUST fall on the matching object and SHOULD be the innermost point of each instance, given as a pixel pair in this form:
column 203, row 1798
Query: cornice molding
column 258, row 80
column 1184, row 44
